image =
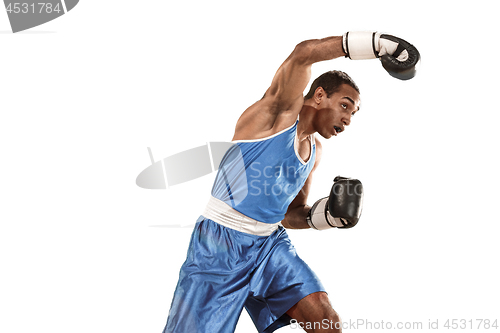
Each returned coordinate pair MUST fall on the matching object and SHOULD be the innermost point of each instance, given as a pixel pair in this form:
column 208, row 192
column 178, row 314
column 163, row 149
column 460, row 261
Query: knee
column 317, row 314
column 329, row 318
column 325, row 308
column 334, row 322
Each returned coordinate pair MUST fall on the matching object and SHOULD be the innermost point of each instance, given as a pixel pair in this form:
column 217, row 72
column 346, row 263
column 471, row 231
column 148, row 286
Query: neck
column 306, row 125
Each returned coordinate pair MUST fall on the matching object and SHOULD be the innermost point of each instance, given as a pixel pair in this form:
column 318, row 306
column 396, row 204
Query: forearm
column 295, row 218
column 316, row 50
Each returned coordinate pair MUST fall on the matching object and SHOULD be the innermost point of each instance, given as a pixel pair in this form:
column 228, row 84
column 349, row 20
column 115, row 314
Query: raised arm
column 283, row 100
column 294, row 74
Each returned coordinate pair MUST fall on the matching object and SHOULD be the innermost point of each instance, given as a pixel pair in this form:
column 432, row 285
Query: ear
column 319, row 94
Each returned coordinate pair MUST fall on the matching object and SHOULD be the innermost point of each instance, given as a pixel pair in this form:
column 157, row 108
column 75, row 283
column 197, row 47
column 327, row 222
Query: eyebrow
column 351, row 100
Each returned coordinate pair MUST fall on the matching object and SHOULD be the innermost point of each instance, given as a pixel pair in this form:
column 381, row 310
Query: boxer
column 240, row 255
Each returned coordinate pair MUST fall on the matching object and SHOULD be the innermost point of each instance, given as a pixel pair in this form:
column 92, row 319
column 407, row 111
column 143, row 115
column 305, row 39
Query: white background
column 83, row 249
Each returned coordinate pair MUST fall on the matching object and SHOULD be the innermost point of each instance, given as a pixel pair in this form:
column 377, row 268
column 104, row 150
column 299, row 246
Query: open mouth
column 338, row 129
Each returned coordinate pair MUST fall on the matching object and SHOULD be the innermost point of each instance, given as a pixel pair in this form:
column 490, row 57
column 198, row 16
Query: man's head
column 331, row 82
column 335, row 98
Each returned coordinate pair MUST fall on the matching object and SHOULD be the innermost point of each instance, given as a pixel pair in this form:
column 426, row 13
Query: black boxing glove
column 399, row 58
column 342, row 209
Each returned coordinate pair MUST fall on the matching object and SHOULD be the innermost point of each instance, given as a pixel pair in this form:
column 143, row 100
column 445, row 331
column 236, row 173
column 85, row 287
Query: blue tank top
column 260, row 178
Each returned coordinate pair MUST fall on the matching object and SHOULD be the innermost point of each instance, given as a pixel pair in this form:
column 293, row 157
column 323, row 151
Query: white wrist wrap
column 319, row 219
column 360, row 45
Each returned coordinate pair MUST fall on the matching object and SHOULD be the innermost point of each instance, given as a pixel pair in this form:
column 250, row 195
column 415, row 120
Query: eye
column 344, row 106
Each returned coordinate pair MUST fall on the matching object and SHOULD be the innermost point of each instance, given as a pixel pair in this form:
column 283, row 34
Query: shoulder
column 260, row 121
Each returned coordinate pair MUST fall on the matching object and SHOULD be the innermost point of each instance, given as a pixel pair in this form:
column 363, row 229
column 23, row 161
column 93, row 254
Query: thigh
column 213, row 282
column 280, row 282
column 205, row 306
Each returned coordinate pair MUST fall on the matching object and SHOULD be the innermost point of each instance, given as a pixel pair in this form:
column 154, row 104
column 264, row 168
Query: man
column 239, row 254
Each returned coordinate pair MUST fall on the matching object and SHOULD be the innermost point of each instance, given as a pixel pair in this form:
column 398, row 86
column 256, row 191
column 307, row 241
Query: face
column 334, row 113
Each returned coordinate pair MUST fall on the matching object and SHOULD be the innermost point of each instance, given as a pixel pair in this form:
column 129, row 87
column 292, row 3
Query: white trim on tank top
column 295, row 140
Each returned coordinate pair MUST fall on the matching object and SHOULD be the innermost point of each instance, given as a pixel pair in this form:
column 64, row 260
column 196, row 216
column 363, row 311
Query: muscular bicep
column 288, row 84
column 283, row 100
column 294, row 74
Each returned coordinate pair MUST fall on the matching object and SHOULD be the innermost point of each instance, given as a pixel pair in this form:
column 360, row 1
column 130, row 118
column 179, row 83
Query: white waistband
column 220, row 212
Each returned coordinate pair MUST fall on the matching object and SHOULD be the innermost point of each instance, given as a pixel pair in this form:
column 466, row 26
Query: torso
column 260, row 177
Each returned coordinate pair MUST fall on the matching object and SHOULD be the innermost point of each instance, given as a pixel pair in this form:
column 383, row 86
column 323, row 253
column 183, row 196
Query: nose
column 346, row 120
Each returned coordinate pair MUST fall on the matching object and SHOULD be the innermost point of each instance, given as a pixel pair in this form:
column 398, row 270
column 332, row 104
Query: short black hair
column 331, row 82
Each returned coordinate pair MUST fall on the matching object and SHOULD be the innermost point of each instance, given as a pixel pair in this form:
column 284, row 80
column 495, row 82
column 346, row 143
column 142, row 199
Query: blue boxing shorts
column 226, row 270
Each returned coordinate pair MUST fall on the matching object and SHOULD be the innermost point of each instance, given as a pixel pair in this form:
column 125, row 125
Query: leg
column 281, row 281
column 212, row 286
column 315, row 313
